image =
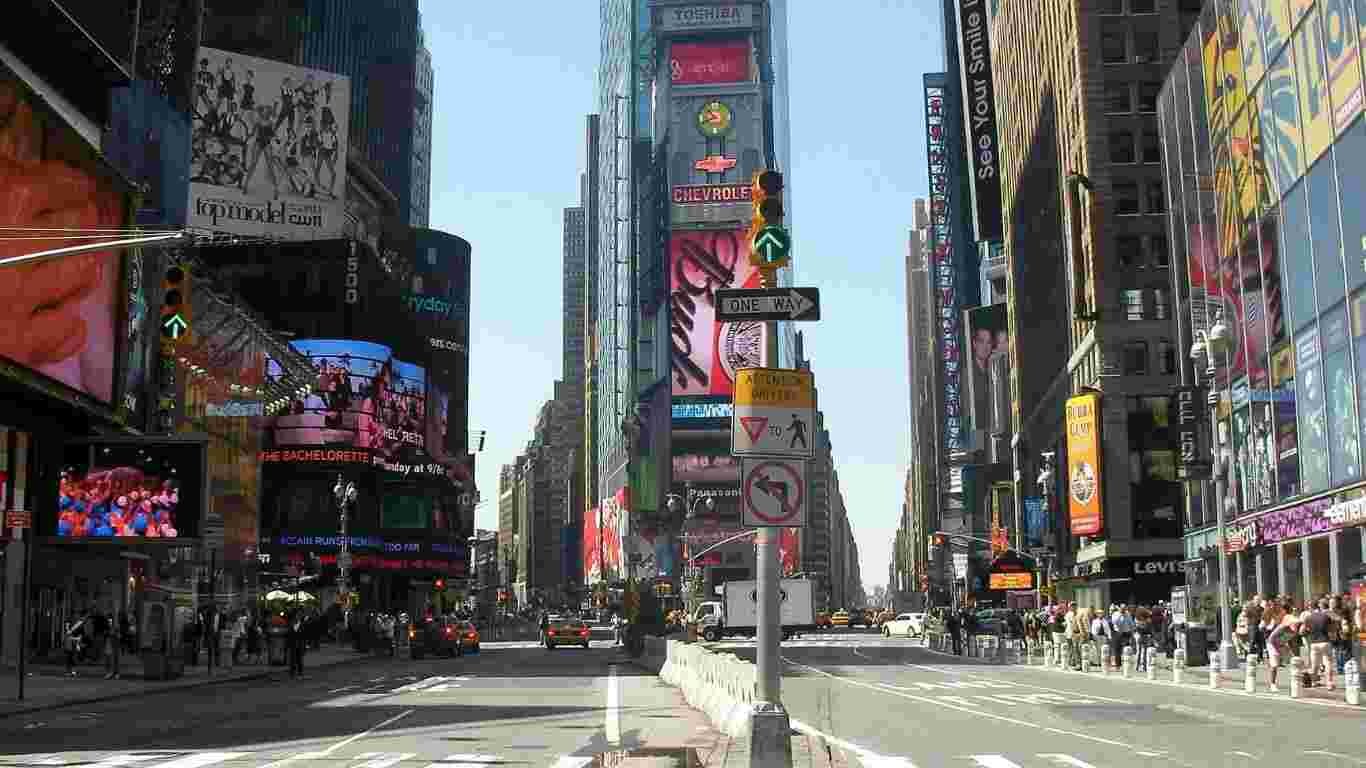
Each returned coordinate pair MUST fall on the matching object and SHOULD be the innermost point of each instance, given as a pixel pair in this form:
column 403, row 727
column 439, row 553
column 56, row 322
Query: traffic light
column 769, row 243
column 176, row 314
column 440, row 585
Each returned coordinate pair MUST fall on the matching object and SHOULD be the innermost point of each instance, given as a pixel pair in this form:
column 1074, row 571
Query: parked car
column 905, row 625
column 469, row 636
column 566, row 631
column 438, row 636
column 823, row 621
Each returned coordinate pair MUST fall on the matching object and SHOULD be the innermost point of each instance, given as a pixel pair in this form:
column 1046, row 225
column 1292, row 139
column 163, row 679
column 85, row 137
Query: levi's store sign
column 1144, row 567
column 703, row 194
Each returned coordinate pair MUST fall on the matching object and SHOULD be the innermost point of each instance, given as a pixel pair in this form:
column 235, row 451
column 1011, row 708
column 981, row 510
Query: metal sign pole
column 24, row 608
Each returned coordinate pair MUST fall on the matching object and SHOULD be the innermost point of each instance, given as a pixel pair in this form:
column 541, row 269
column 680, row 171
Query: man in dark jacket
column 953, row 625
column 297, row 641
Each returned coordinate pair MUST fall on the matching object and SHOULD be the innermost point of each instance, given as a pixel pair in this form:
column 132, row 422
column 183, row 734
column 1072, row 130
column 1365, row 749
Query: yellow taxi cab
column 840, row 619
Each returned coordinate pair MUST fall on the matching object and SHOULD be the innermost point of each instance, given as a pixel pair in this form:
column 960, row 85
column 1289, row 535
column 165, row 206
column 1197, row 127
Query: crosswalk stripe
column 1068, row 760
column 467, row 761
column 572, row 761
column 993, row 761
column 383, row 759
column 202, row 760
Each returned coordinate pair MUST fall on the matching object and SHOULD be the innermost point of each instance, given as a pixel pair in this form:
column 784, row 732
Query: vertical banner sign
column 1188, row 405
column 979, row 119
column 946, row 295
column 1083, row 464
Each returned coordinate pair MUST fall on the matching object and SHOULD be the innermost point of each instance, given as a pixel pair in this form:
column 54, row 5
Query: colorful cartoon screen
column 128, row 490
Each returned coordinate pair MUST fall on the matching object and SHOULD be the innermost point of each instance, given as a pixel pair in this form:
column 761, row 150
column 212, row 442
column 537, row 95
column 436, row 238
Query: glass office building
column 1264, row 154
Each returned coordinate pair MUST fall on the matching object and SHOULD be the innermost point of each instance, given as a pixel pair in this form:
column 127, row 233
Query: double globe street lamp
column 676, row 505
column 345, row 494
column 1214, row 346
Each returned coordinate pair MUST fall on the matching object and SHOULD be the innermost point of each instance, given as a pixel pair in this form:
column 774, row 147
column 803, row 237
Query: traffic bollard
column 1213, row 675
column 1086, row 657
column 1250, row 674
column 1296, row 665
column 1178, row 665
column 1351, row 677
column 1127, row 662
column 1151, row 666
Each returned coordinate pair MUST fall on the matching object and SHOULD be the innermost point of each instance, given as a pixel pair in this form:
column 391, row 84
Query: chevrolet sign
column 703, row 194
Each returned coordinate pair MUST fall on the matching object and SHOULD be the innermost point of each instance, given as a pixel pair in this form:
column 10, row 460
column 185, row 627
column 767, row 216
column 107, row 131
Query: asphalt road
column 892, row 703
column 511, row 704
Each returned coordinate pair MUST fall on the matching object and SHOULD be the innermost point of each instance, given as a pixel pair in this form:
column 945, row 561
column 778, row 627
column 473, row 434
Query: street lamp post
column 1213, row 345
column 1046, row 480
column 345, row 494
column 675, row 505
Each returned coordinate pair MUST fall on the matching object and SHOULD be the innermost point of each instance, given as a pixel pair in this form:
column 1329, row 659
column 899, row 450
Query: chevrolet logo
column 715, row 164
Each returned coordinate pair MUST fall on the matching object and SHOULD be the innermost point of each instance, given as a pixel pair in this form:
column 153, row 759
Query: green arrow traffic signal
column 773, row 245
column 173, row 326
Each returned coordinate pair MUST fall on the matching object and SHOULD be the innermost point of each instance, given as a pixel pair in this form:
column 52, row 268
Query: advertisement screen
column 988, row 341
column 1085, row 488
column 705, row 353
column 57, row 317
column 267, row 148
column 365, row 398
column 130, row 490
column 943, row 260
column 706, row 63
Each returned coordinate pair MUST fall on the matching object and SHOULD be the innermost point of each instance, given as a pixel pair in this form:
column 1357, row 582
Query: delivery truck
column 737, row 612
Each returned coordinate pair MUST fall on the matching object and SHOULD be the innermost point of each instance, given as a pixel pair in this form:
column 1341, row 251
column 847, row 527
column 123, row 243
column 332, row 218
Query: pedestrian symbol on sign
column 798, row 430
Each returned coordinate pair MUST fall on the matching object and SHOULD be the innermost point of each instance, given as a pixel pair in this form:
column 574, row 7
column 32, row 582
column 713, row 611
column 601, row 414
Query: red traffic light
column 440, row 585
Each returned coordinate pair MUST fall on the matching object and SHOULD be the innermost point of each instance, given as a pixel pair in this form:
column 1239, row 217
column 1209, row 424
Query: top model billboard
column 268, row 148
column 979, row 118
column 57, row 317
column 704, row 353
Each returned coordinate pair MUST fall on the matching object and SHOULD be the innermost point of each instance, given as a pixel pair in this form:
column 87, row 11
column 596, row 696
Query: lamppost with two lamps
column 676, row 506
column 345, row 494
column 1047, row 478
column 1212, row 344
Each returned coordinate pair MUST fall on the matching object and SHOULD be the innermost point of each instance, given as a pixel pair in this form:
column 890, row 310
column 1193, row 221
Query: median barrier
column 719, row 684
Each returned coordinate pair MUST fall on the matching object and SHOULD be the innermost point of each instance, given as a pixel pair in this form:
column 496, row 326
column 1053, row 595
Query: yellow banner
column 775, row 388
column 1084, row 482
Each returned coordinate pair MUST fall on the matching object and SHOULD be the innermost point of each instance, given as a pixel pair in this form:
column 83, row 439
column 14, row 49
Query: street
column 891, row 702
column 513, row 703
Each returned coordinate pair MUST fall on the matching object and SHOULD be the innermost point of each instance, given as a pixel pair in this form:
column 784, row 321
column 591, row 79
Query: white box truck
column 737, row 613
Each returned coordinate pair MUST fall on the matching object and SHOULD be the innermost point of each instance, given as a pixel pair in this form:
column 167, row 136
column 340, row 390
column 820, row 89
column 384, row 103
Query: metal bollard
column 1351, row 678
column 1214, row 675
column 1296, row 665
column 1250, row 674
column 1086, row 657
column 1152, row 664
column 1178, row 666
column 1127, row 662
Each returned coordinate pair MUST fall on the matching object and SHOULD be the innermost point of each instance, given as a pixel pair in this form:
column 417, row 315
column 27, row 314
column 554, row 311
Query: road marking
column 867, row 757
column 1356, row 760
column 339, row 745
column 982, row 676
column 967, row 709
column 613, row 725
column 572, row 761
column 382, row 759
column 343, row 688
column 467, row 761
column 202, row 759
column 1248, row 755
column 1065, row 760
column 993, row 761
column 440, row 687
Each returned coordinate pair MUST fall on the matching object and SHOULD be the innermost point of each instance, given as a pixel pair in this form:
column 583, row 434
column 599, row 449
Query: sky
column 512, row 90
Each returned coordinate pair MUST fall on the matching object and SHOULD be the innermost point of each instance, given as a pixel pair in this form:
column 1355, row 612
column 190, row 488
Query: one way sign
column 768, row 304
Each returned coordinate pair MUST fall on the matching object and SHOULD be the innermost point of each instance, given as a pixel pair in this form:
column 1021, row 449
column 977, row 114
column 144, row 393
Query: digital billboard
column 988, row 347
column 725, row 61
column 58, row 317
column 267, row 148
column 705, row 354
column 130, row 489
column 942, row 260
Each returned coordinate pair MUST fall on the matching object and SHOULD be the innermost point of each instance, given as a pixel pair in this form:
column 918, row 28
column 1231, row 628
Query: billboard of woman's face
column 57, row 316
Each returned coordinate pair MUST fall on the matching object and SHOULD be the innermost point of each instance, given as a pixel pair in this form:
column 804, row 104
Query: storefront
column 1143, row 580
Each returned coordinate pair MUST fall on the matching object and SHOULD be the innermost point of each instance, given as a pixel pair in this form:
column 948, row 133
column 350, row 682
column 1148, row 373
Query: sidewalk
column 46, row 686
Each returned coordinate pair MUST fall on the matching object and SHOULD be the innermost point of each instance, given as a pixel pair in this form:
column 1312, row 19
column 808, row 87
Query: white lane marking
column 466, row 761
column 981, row 676
column 118, row 761
column 341, row 744
column 993, row 761
column 202, row 759
column 1356, row 760
column 440, row 687
column 940, row 702
column 1248, row 755
column 1061, row 759
column 867, row 757
column 572, row 761
column 382, row 759
column 613, row 724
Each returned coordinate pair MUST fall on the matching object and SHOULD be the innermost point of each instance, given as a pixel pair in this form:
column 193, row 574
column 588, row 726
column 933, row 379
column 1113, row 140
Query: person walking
column 954, row 626
column 296, row 647
column 71, row 639
column 112, row 646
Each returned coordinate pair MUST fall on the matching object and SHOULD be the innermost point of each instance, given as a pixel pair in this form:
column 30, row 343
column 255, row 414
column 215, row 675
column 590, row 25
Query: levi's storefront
column 1302, row 551
column 1140, row 580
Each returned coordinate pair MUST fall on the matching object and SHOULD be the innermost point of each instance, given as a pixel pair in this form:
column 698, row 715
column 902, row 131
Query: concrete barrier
column 719, row 684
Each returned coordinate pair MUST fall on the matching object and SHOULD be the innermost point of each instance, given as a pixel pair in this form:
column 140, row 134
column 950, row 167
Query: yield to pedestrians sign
column 774, row 413
column 773, row 493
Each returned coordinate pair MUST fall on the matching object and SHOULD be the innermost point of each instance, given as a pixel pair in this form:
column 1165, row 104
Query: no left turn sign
column 773, row 493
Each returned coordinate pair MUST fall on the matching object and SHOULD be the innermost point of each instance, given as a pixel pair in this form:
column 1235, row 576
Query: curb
column 25, row 710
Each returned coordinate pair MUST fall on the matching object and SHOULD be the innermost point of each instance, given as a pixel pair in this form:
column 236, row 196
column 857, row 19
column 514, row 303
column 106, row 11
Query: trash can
column 277, row 646
column 1195, row 642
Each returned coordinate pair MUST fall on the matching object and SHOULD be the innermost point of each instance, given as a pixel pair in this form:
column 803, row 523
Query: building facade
column 1076, row 85
column 1263, row 175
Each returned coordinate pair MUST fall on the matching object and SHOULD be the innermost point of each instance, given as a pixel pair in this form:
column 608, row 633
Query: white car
column 905, row 625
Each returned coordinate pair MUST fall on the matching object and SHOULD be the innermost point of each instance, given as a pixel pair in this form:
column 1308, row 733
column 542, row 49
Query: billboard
column 689, row 18
column 942, row 259
column 705, row 354
column 267, row 148
column 130, row 489
column 1085, row 489
column 979, row 120
column 988, row 345
column 57, row 317
column 437, row 298
column 604, row 529
column 725, row 61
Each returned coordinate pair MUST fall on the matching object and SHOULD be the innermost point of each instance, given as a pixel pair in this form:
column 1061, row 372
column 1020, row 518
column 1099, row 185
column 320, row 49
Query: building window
column 1152, row 147
column 1136, row 358
column 1147, row 96
column 1160, row 303
column 1112, row 7
column 1147, row 48
column 1157, row 200
column 1122, row 147
column 1118, row 99
column 1130, row 251
column 1112, row 49
column 1166, row 358
column 1133, row 304
column 1142, row 6
column 1126, row 197
column 1161, row 257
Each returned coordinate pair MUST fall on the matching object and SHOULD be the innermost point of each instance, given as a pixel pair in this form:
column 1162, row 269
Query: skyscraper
column 419, row 204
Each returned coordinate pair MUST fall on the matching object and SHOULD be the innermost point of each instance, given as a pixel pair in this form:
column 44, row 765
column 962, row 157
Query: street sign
column 774, row 413
column 773, row 493
column 768, row 304
column 18, row 518
column 772, row 244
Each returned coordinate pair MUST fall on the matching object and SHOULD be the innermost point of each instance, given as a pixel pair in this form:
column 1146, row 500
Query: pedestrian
column 296, row 647
column 112, row 646
column 1321, row 631
column 953, row 624
column 71, row 639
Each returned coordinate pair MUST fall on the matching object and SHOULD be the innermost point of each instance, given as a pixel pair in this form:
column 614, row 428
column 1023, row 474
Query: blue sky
column 512, row 90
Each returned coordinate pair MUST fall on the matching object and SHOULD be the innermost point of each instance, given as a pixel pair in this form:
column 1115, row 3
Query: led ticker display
column 1023, row 580
column 942, row 258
